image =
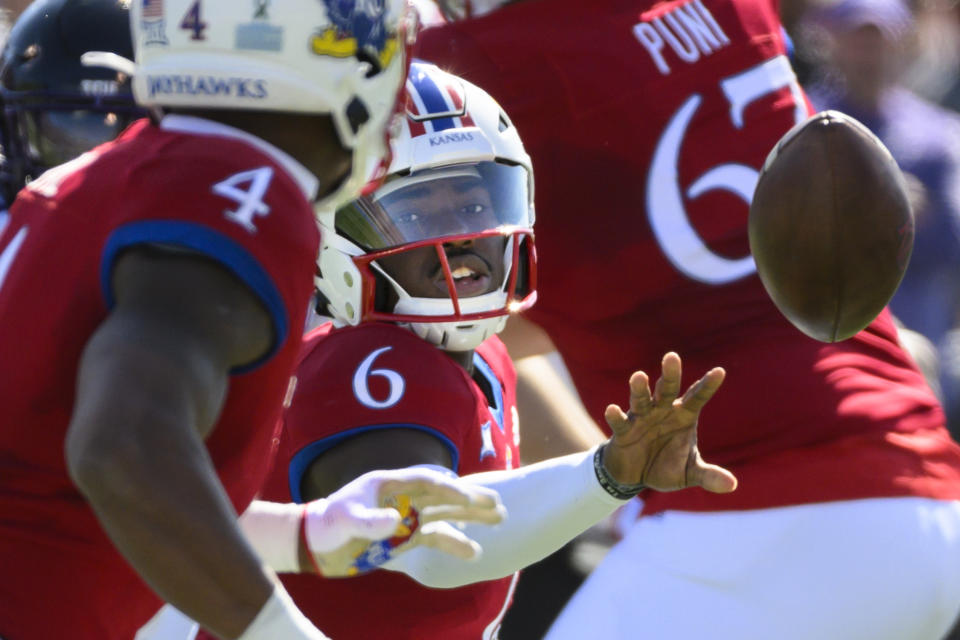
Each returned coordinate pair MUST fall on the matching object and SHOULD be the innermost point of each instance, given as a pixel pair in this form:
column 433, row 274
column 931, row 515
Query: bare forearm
column 136, row 453
column 199, row 565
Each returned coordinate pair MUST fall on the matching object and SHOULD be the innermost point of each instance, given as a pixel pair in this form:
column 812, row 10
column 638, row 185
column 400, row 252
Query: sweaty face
column 446, row 207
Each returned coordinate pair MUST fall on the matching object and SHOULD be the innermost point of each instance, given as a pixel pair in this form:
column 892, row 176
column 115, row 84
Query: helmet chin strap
column 454, row 336
column 457, row 335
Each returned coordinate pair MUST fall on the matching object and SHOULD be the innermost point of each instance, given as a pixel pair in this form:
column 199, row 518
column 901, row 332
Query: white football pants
column 879, row 569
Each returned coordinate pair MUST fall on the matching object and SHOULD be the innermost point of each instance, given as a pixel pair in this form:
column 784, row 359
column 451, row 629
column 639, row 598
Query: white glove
column 383, row 513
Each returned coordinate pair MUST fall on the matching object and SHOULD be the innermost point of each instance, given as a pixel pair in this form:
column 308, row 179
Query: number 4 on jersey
column 251, row 202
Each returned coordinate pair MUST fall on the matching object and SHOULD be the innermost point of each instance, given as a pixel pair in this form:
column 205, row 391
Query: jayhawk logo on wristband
column 380, row 551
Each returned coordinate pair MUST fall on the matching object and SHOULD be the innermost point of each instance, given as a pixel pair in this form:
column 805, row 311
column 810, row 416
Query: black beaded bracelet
column 609, row 483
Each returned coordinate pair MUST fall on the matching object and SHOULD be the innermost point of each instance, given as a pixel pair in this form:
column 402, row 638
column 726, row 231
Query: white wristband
column 280, row 619
column 273, row 529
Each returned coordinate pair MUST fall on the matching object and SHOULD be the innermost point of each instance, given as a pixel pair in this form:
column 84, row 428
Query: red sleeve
column 373, row 377
column 230, row 202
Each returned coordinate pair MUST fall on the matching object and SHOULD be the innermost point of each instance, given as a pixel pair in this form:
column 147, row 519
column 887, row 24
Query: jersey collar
column 200, row 126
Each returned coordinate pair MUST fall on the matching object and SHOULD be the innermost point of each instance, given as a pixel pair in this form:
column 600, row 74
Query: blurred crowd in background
column 895, row 66
column 9, row 10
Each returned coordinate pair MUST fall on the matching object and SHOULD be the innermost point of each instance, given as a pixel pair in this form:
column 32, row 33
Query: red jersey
column 187, row 183
column 380, row 376
column 646, row 152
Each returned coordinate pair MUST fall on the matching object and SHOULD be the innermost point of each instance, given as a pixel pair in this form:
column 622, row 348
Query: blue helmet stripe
column 433, row 101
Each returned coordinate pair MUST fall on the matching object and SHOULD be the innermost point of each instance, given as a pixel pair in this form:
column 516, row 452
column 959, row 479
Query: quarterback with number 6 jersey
column 419, row 276
column 377, row 377
column 647, row 123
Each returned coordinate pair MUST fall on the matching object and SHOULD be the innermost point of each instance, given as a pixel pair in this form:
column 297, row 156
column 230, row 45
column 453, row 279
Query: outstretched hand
column 655, row 442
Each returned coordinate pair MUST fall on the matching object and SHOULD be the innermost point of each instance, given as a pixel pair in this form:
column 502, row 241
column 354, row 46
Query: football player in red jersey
column 147, row 291
column 647, row 123
column 419, row 276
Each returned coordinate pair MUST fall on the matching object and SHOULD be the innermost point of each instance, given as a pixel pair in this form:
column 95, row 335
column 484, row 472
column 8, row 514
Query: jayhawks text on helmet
column 253, row 88
column 341, row 58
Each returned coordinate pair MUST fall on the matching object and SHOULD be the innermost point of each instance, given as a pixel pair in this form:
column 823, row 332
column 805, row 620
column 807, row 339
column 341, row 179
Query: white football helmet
column 455, row 140
column 346, row 58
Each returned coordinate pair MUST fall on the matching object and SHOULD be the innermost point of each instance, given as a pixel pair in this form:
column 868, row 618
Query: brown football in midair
column 830, row 227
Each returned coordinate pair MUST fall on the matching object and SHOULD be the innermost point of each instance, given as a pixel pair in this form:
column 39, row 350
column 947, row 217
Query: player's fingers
column 668, row 385
column 372, row 524
column 712, row 477
column 431, row 501
column 641, row 400
column 703, row 389
column 479, row 498
column 444, row 537
column 435, row 488
column 463, row 514
column 618, row 421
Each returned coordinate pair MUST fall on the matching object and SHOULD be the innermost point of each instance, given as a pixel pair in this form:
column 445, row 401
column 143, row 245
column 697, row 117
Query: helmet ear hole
column 523, row 270
column 357, row 114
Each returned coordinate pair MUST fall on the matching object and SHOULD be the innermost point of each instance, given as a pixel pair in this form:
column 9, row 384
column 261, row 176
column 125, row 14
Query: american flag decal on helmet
column 153, row 23
column 152, row 9
column 435, row 102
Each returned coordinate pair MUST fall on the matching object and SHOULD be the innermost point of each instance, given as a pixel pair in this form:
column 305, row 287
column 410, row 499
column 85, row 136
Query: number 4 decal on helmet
column 193, row 21
column 250, row 199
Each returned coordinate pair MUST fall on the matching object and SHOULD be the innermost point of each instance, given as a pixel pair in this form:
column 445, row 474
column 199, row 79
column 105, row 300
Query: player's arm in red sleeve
column 151, row 384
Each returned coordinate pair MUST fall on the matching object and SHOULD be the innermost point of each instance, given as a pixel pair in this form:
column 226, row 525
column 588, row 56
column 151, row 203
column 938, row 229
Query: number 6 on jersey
column 362, row 390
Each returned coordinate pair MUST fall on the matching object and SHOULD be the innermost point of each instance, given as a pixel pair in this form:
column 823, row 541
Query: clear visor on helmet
column 434, row 203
